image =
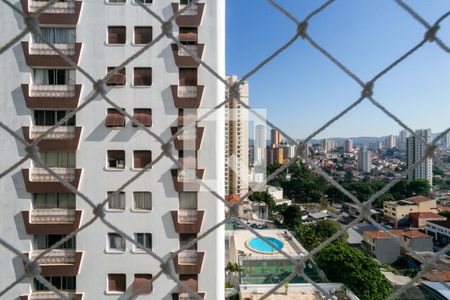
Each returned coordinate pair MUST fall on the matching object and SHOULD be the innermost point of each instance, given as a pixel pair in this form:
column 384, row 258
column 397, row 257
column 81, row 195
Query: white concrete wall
column 96, row 139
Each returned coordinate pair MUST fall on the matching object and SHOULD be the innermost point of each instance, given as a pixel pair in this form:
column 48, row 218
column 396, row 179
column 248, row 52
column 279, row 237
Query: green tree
column 292, row 217
column 264, row 197
column 313, row 235
column 419, row 187
column 350, row 266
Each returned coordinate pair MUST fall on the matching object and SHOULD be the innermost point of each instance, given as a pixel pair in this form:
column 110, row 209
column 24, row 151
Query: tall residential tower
column 98, row 149
column 415, row 151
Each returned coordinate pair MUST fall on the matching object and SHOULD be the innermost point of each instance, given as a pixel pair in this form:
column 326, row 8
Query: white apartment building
column 415, row 150
column 364, row 160
column 236, row 142
column 99, row 149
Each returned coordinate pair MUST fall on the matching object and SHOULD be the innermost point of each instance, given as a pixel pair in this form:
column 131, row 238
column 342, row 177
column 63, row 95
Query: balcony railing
column 187, row 91
column 59, row 133
column 52, row 215
column 190, row 11
column 49, row 295
column 185, row 296
column 184, row 176
column 187, row 216
column 192, row 48
column 46, row 90
column 42, row 175
column 44, row 49
column 67, row 7
column 57, row 256
column 188, row 257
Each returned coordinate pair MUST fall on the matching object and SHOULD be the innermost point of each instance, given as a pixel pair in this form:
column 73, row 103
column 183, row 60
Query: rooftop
column 426, row 214
column 418, row 199
column 380, row 234
column 445, row 224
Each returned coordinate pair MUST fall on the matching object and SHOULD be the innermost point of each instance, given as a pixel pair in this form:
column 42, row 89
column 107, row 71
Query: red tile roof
column 379, row 234
column 426, row 215
column 417, row 199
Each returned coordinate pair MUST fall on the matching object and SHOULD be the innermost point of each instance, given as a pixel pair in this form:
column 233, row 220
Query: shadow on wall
column 19, row 102
column 20, row 146
column 168, row 103
column 19, row 17
column 20, row 58
column 19, row 185
column 169, row 62
column 20, row 227
column 169, row 227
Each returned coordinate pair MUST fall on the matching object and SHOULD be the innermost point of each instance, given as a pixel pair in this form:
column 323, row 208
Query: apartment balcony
column 187, row 96
column 38, row 180
column 187, row 220
column 192, row 17
column 187, row 140
column 183, row 58
column 186, row 296
column 51, row 96
column 60, row 13
column 59, row 262
column 48, row 295
column 61, row 138
column 51, row 221
column 186, row 118
column 41, row 55
column 184, row 182
column 188, row 262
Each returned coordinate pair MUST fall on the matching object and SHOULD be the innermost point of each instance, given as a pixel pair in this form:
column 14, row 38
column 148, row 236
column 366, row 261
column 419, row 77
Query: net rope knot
column 166, row 148
column 33, row 151
column 301, row 29
column 32, row 269
column 32, row 23
column 100, row 87
column 167, row 28
column 430, row 150
column 367, row 90
column 430, row 35
column 99, row 211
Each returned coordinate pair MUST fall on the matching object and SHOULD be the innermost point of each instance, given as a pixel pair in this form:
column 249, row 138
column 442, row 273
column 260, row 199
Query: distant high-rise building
column 415, row 150
column 275, row 137
column 445, row 141
column 364, row 160
column 380, row 145
column 348, row 146
column 390, row 142
column 236, row 142
column 403, row 134
column 327, row 145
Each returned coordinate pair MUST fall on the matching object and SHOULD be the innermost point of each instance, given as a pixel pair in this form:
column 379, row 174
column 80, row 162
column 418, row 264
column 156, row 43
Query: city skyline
column 315, row 90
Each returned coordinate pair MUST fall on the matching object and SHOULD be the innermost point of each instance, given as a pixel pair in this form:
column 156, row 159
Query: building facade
column 364, row 160
column 236, row 142
column 348, row 145
column 98, row 149
column 415, row 151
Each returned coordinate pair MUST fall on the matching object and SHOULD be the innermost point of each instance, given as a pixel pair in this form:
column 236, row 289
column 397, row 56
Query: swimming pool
column 259, row 245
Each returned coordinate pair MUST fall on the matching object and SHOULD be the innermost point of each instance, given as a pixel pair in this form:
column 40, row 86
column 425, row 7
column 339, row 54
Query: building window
column 188, row 200
column 53, row 77
column 117, row 282
column 66, row 283
column 142, row 200
column 118, row 78
column 114, row 118
column 142, row 283
column 116, row 159
column 45, row 241
column 142, row 77
column 50, row 117
column 116, row 242
column 117, row 1
column 142, row 158
column 56, row 35
column 54, row 200
column 143, row 35
column 143, row 115
column 145, row 239
column 58, row 159
column 187, row 34
column 188, row 77
column 117, row 34
column 116, row 201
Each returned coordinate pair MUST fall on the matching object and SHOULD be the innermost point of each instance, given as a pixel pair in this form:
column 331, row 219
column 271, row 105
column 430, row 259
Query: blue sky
column 301, row 89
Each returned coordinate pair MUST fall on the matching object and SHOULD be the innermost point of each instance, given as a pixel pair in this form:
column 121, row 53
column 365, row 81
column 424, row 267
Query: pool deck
column 239, row 239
